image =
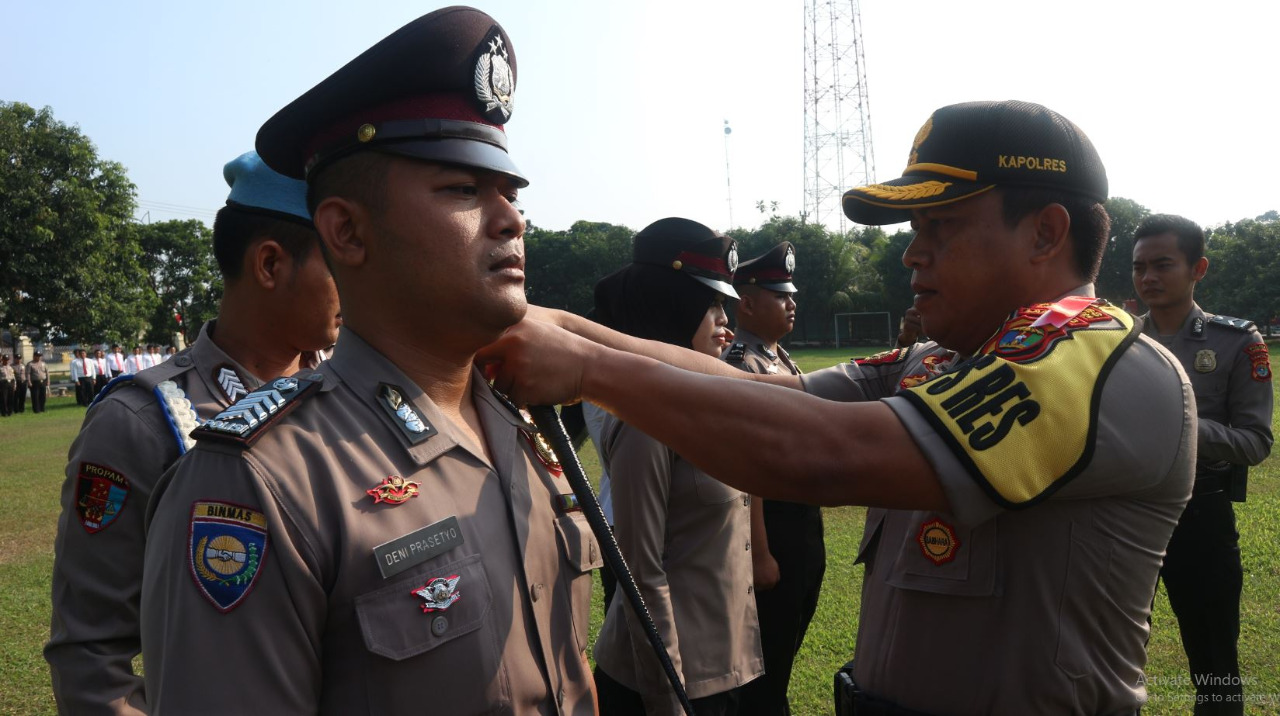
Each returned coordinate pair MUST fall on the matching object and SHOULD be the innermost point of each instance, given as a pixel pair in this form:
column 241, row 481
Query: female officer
column 685, row 535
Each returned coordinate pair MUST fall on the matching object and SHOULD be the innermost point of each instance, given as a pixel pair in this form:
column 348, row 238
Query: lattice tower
column 837, row 112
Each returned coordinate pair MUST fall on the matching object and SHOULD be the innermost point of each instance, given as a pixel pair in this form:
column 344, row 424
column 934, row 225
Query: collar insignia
column 394, row 489
column 414, row 427
column 439, row 594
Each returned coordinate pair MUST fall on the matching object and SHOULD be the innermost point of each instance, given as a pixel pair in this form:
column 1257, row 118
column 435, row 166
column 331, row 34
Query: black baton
column 549, row 425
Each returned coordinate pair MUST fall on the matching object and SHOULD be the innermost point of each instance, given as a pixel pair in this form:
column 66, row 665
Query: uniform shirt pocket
column 393, row 619
column 583, row 554
column 711, row 491
column 941, row 556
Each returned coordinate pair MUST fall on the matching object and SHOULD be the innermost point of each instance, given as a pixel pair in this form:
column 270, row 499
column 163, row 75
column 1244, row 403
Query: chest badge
column 439, row 594
column 394, row 489
column 938, row 541
column 1206, row 361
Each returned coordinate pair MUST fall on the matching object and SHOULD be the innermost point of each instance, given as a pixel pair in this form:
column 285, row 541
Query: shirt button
column 746, row 500
column 748, row 546
column 749, row 589
column 439, row 625
column 560, row 696
column 536, row 592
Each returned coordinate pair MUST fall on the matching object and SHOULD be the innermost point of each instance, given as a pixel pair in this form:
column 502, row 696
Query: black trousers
column 1203, row 577
column 20, row 397
column 39, row 392
column 84, row 391
column 618, row 700
column 6, row 398
column 796, row 542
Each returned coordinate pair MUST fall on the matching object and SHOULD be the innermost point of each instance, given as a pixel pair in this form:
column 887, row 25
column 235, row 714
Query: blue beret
column 256, row 187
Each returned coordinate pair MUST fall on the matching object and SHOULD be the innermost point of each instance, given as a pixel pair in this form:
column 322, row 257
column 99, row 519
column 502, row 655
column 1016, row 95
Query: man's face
column 311, row 303
column 97, row 354
column 965, row 261
column 137, row 350
column 772, row 313
column 450, row 248
column 1161, row 275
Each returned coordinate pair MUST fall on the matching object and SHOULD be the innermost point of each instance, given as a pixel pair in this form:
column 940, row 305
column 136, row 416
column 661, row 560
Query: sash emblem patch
column 938, row 541
column 1259, row 362
column 100, row 496
column 227, row 545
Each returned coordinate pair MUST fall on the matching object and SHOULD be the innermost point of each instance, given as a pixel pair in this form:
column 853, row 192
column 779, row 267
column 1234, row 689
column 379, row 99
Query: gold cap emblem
column 922, row 135
column 366, row 132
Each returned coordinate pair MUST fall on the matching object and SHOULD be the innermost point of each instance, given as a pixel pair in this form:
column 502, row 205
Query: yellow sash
column 1022, row 414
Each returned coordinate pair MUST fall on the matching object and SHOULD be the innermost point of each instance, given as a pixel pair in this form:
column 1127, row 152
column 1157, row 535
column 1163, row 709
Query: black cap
column 771, row 270
column 966, row 149
column 689, row 247
column 440, row 88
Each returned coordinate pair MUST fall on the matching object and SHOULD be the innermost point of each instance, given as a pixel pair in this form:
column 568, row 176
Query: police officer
column 8, row 380
column 1226, row 360
column 38, row 379
column 384, row 535
column 1025, row 470
column 279, row 305
column 22, row 385
column 786, row 537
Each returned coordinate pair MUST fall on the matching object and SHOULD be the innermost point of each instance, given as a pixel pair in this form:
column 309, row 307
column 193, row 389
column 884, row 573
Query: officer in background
column 8, row 380
column 384, row 535
column 38, row 379
column 1226, row 360
column 22, row 385
column 279, row 306
column 1026, row 468
column 787, row 550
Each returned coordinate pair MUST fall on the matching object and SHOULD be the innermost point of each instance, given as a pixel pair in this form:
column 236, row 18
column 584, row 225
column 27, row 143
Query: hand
column 910, row 327
column 765, row 571
column 537, row 363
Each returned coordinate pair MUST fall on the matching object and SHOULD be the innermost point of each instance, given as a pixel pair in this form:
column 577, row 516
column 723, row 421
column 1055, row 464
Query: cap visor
column 720, row 286
column 464, row 152
column 892, row 202
column 785, row 287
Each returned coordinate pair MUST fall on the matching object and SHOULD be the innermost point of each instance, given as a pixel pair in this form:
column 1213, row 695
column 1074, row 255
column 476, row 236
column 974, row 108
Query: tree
column 68, row 260
column 1115, row 278
column 563, row 266
column 182, row 275
column 1244, row 261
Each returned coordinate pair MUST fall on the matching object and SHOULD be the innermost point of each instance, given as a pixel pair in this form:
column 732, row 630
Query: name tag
column 417, row 547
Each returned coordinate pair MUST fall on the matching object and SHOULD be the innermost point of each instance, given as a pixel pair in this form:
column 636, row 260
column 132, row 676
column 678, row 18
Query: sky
column 620, row 107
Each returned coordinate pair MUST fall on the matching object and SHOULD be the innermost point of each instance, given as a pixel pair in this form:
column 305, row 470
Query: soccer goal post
column 868, row 328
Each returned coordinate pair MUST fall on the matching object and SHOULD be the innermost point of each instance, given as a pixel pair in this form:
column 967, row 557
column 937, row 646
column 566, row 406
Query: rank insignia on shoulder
column 1238, row 324
column 394, row 489
column 1259, row 362
column 100, row 496
column 247, row 419
column 412, row 426
column 737, row 353
column 229, row 381
column 439, row 593
column 938, row 541
column 227, row 545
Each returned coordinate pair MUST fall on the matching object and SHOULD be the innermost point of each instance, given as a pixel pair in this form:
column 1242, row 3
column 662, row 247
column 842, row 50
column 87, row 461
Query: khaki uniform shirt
column 37, row 372
column 266, row 589
column 752, row 354
column 1226, row 360
column 687, row 539
column 1035, row 603
column 129, row 438
column 7, row 375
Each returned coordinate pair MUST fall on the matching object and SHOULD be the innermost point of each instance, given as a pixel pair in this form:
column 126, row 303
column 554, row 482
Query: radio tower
column 837, row 113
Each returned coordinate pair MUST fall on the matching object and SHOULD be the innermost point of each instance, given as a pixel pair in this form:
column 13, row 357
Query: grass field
column 33, row 450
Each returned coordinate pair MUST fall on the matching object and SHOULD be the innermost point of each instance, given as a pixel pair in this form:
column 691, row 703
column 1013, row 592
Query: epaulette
column 1239, row 324
column 117, row 382
column 737, row 353
column 246, row 420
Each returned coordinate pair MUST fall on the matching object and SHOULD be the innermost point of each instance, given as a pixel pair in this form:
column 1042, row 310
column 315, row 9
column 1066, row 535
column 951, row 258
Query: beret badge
column 495, row 83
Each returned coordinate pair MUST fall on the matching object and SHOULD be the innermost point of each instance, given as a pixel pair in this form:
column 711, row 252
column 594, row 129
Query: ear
column 1200, row 269
column 1052, row 226
column 746, row 304
column 341, row 224
column 268, row 263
